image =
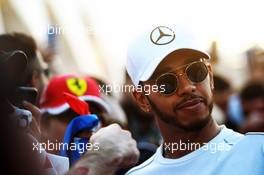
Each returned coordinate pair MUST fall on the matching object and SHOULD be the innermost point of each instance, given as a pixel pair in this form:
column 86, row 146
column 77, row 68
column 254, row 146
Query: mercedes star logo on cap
column 162, row 35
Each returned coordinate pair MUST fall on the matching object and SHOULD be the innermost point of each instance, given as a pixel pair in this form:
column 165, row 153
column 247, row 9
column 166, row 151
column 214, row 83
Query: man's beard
column 172, row 120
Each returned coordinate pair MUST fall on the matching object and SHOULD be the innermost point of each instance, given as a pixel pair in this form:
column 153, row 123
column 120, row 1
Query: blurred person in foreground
column 252, row 99
column 16, row 144
column 18, row 156
column 174, row 80
column 34, row 75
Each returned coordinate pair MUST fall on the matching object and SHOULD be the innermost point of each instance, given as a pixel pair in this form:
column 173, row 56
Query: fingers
column 132, row 156
column 118, row 144
column 33, row 109
column 117, row 149
column 34, row 129
column 106, row 132
column 35, row 124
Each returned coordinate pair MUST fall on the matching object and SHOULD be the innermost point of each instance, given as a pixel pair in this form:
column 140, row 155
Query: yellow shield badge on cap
column 77, row 86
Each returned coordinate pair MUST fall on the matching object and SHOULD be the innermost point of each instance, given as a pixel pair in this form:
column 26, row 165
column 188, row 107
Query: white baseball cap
column 152, row 46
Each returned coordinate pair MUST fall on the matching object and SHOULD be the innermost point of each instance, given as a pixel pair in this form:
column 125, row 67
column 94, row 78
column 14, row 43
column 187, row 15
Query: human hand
column 117, row 149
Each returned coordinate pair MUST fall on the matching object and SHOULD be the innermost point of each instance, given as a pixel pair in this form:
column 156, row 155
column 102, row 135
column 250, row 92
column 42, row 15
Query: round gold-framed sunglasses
column 196, row 72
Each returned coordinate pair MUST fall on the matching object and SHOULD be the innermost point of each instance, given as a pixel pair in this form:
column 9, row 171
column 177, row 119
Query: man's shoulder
column 249, row 151
column 143, row 167
column 250, row 137
column 255, row 137
column 255, row 134
column 253, row 141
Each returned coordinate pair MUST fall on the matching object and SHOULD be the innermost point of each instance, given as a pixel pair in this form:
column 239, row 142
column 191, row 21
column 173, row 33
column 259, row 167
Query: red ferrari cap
column 85, row 88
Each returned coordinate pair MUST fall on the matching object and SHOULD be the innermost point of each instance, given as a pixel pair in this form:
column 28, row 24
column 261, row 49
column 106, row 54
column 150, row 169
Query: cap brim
column 88, row 98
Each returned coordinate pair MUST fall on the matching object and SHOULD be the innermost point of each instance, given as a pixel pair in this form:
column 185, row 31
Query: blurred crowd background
column 89, row 36
column 83, row 38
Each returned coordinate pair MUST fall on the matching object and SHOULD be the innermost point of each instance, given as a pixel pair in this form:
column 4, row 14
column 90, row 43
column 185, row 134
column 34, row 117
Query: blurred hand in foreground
column 116, row 149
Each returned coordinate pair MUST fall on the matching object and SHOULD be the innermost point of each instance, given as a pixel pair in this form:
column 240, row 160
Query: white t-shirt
column 229, row 153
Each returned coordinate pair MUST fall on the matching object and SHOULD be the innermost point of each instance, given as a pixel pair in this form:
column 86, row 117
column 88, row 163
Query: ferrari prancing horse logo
column 77, row 86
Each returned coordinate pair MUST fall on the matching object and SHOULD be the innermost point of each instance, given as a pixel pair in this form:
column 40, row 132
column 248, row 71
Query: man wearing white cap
column 168, row 58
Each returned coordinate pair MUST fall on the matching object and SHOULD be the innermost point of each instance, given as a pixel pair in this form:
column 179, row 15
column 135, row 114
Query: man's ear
column 210, row 71
column 141, row 100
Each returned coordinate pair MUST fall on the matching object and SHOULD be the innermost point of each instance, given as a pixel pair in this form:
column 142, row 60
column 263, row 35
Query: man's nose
column 185, row 86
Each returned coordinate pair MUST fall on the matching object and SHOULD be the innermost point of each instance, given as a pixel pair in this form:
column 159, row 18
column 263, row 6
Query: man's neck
column 175, row 137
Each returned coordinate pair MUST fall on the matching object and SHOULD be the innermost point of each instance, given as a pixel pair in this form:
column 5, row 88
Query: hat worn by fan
column 85, row 88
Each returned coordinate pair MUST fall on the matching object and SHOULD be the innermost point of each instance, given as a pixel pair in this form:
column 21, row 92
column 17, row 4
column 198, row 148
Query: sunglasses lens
column 197, row 72
column 167, row 83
